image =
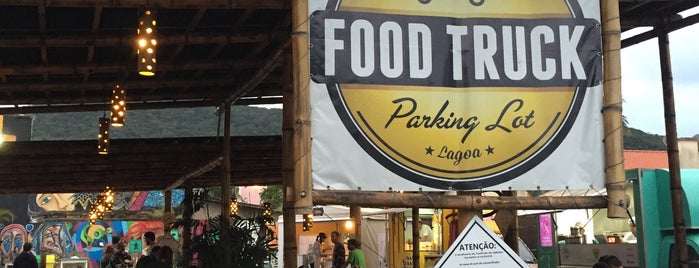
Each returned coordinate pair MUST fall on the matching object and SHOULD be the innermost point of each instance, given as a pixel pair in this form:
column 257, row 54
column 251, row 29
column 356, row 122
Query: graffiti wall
column 78, row 238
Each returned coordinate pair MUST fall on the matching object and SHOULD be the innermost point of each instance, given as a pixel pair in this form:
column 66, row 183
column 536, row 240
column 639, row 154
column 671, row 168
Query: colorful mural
column 79, row 239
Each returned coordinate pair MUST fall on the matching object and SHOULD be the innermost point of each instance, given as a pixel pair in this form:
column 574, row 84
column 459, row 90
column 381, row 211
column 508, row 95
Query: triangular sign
column 478, row 246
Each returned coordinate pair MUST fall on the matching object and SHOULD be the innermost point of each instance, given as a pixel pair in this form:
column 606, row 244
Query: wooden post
column 356, row 214
column 465, row 215
column 187, row 229
column 615, row 179
column 676, row 191
column 301, row 107
column 296, row 132
column 288, row 213
column 416, row 237
column 167, row 211
column 226, row 185
column 511, row 232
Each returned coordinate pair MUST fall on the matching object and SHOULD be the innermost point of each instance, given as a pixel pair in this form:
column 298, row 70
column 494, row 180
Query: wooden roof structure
column 65, row 56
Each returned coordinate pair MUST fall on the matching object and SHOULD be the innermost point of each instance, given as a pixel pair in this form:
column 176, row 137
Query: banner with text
column 454, row 94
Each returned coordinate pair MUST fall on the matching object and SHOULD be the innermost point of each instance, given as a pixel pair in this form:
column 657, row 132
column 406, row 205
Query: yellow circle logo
column 455, row 93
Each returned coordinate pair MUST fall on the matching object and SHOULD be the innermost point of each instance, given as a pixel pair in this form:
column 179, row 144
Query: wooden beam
column 431, row 200
column 116, row 215
column 129, row 84
column 42, row 32
column 39, row 109
column 272, row 62
column 646, row 21
column 118, row 40
column 195, row 173
column 650, row 34
column 211, row 4
column 90, row 68
column 192, row 25
column 96, row 17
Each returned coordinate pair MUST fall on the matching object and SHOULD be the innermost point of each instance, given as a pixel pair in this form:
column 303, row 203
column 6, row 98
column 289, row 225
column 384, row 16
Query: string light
column 267, row 214
column 103, row 204
column 234, row 206
column 307, row 222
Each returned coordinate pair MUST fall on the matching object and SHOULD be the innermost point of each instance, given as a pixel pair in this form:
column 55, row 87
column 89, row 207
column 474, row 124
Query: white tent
column 374, row 234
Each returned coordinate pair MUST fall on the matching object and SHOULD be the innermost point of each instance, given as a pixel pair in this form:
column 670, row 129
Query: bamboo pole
column 611, row 111
column 468, row 202
column 677, row 193
column 226, row 184
column 300, row 105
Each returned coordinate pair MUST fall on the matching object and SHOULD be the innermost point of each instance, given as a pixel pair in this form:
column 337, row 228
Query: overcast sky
column 642, row 87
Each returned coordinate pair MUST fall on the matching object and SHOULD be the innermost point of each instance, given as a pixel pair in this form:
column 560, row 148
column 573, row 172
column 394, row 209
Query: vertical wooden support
column 511, row 233
column 288, row 213
column 297, row 133
column 615, row 179
column 465, row 215
column 676, row 191
column 187, row 229
column 416, row 237
column 226, row 185
column 301, row 106
column 356, row 214
column 167, row 211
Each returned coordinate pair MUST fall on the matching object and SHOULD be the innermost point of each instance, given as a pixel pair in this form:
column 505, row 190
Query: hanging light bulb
column 118, row 111
column 103, row 136
column 146, row 42
column 108, row 197
column 307, row 222
column 234, row 207
column 267, row 214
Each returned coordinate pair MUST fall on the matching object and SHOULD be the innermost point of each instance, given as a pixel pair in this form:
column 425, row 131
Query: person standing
column 356, row 255
column 612, row 260
column 26, row 259
column 150, row 260
column 316, row 253
column 109, row 259
column 148, row 239
column 338, row 250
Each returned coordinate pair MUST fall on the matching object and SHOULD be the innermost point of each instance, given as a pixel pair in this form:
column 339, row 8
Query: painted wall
column 76, row 238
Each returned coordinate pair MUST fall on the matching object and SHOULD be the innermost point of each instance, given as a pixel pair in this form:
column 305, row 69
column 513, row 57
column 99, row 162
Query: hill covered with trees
column 204, row 122
column 165, row 123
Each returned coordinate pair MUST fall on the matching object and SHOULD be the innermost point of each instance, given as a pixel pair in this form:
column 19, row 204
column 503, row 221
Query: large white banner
column 456, row 94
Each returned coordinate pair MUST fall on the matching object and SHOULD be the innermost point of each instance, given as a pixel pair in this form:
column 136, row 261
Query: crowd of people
column 355, row 258
column 115, row 256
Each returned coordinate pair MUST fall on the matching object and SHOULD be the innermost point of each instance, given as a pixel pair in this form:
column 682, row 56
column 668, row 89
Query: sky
column 641, row 84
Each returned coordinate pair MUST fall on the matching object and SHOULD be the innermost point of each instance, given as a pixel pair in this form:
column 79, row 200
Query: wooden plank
column 119, row 40
column 213, row 4
column 128, row 67
column 440, row 200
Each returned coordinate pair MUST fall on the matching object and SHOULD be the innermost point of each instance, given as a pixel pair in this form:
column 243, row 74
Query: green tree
column 274, row 195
